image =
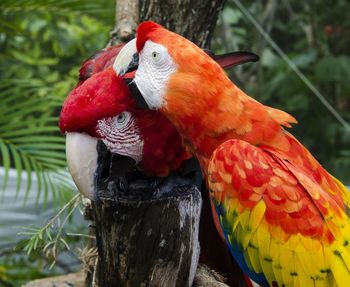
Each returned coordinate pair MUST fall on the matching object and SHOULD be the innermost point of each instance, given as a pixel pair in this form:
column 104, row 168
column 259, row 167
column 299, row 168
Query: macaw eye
column 155, row 55
column 121, row 121
column 121, row 118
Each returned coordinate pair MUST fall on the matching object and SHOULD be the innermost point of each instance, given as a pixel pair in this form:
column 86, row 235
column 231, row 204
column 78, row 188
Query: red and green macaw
column 101, row 108
column 284, row 217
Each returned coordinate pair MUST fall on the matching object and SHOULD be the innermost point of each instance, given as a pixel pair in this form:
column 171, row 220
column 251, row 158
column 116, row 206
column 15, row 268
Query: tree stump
column 153, row 241
column 148, row 242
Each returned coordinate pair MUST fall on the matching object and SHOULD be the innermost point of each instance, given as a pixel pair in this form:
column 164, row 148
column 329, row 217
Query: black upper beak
column 135, row 92
column 140, row 102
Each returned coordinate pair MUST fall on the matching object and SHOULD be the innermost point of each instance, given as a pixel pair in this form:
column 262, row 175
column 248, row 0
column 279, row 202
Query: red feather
column 99, row 61
column 103, row 95
column 142, row 33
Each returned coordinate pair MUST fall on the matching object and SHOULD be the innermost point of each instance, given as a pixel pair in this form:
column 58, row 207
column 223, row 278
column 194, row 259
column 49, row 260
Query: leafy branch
column 49, row 238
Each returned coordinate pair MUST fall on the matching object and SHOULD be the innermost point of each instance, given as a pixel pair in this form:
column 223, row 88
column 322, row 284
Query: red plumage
column 102, row 94
column 91, row 101
column 142, row 33
column 99, row 61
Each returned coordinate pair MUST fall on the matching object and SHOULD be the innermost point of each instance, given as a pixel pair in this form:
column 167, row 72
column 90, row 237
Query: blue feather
column 259, row 278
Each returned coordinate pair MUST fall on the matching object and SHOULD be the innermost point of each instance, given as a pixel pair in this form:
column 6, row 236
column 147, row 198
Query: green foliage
column 317, row 39
column 42, row 45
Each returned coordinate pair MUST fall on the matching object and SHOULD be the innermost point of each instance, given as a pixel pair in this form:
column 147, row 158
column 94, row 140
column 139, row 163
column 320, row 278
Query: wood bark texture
column 151, row 242
column 193, row 19
column 154, row 241
column 127, row 19
column 205, row 277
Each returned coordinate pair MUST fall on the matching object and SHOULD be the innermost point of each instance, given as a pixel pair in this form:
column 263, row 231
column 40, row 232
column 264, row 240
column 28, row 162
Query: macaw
column 284, row 217
column 100, row 108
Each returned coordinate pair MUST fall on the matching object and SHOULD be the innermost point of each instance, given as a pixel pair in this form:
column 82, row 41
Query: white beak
column 124, row 57
column 81, row 154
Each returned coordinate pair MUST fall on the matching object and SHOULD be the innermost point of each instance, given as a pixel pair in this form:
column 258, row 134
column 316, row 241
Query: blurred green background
column 43, row 43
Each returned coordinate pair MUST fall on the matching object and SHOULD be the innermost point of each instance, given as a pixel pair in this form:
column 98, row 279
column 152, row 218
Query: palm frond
column 30, row 142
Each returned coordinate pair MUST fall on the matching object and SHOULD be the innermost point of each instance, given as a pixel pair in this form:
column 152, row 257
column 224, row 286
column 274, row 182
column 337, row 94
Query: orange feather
column 251, row 163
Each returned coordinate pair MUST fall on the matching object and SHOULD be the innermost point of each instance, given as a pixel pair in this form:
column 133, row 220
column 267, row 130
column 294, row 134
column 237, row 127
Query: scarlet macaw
column 100, row 107
column 284, row 217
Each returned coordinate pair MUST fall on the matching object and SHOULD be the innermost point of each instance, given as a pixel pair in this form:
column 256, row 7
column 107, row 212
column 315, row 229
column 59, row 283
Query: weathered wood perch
column 142, row 241
column 152, row 242
column 205, row 277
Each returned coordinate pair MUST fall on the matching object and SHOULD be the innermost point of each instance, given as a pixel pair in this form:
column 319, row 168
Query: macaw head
column 101, row 108
column 164, row 55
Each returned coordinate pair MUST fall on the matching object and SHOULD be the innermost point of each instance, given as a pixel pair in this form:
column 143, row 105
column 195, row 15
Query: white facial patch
column 121, row 135
column 155, row 69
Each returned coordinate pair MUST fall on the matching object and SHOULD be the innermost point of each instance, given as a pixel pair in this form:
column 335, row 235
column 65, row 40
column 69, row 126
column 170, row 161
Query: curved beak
column 92, row 165
column 82, row 156
column 126, row 62
column 127, row 59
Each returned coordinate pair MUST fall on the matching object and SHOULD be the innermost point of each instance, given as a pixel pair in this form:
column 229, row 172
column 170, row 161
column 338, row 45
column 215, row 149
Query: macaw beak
column 82, row 156
column 140, row 102
column 92, row 165
column 127, row 62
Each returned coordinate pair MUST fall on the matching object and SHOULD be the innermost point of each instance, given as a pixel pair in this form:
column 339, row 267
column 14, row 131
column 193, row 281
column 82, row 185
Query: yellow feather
column 307, row 263
column 247, row 260
column 344, row 254
column 244, row 219
column 267, row 268
column 276, row 264
column 340, row 272
column 243, row 237
column 264, row 240
column 310, row 259
column 232, row 218
column 253, row 254
column 278, row 234
column 257, row 215
column 287, row 262
column 307, row 242
column 345, row 192
column 305, row 269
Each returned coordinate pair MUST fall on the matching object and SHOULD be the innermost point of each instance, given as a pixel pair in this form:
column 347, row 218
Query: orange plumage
column 285, row 218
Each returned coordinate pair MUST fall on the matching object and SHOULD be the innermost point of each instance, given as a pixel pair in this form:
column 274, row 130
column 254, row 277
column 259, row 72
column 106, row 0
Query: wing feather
column 289, row 228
